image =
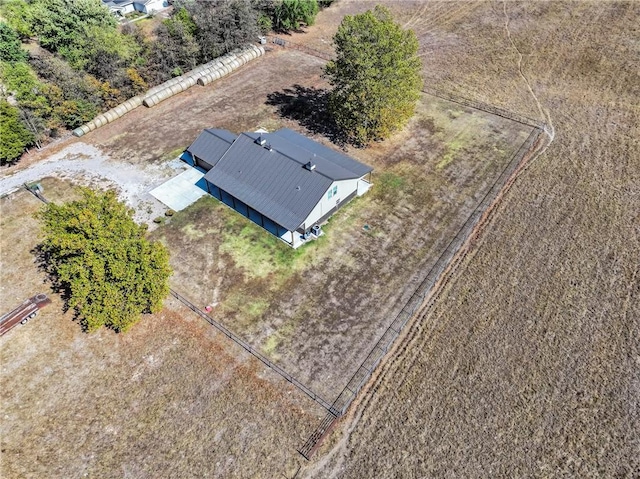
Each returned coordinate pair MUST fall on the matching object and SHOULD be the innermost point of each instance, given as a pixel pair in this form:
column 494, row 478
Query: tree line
column 80, row 61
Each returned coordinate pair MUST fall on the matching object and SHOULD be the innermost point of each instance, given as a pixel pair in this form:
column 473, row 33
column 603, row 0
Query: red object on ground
column 27, row 310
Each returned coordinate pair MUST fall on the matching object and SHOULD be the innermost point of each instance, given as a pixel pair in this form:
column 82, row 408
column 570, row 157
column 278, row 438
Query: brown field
column 528, row 363
column 172, row 398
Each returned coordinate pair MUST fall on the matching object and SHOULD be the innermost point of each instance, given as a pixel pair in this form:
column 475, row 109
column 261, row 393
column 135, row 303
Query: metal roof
column 337, row 165
column 269, row 182
column 211, row 145
column 272, row 178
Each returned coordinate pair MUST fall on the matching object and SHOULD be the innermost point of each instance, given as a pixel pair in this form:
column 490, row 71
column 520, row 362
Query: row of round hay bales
column 183, row 82
column 231, row 64
column 109, row 116
column 195, row 72
column 205, row 74
column 202, row 75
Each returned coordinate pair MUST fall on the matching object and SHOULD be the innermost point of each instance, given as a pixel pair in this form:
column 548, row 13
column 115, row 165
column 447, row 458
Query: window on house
column 335, row 190
column 329, row 194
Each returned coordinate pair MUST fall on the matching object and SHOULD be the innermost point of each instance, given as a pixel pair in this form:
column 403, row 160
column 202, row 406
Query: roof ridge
column 292, row 158
column 349, row 172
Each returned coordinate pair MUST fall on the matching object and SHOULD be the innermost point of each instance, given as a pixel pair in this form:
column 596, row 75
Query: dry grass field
column 528, row 364
column 318, row 311
column 172, row 398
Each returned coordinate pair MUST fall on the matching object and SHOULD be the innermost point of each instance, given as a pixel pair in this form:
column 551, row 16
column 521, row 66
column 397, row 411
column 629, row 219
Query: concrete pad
column 180, row 191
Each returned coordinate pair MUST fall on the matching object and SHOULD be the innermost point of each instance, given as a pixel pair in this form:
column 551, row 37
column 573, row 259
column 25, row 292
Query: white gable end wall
column 127, row 9
column 326, row 204
column 150, row 6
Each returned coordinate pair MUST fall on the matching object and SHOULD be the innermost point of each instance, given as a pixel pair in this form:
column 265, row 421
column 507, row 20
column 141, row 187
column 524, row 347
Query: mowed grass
column 318, row 310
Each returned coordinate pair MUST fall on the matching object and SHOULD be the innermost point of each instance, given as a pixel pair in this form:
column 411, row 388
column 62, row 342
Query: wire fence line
column 250, row 349
column 415, row 302
column 297, row 46
column 478, row 105
column 437, row 92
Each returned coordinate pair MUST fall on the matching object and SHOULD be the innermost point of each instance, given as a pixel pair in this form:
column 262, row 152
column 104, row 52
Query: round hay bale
column 172, row 90
column 110, row 116
column 134, row 102
column 164, row 94
column 205, row 79
column 189, row 82
column 120, row 110
column 150, row 101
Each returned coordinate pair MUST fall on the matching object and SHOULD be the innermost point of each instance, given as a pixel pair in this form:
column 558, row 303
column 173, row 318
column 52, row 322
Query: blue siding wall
column 187, row 158
column 282, row 230
column 270, row 226
column 246, row 211
column 227, row 198
column 214, row 191
column 255, row 216
column 203, row 184
column 242, row 208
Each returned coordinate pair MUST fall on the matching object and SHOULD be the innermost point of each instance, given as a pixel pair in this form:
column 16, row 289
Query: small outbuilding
column 125, row 7
column 283, row 181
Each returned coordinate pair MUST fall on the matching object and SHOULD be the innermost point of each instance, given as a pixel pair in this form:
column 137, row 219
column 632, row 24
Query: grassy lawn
column 317, row 310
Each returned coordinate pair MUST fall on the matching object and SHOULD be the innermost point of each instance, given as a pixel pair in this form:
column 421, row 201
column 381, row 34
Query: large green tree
column 15, row 137
column 67, row 26
column 222, row 25
column 291, row 14
column 101, row 259
column 376, row 76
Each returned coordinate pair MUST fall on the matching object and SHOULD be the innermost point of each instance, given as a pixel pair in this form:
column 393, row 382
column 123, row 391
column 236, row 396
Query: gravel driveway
column 86, row 165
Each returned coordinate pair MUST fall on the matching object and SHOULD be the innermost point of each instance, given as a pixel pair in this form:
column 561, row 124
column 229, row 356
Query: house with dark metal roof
column 287, row 183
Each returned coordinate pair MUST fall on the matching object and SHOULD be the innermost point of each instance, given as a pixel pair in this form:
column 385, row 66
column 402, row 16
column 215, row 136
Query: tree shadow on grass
column 43, row 260
column 309, row 107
